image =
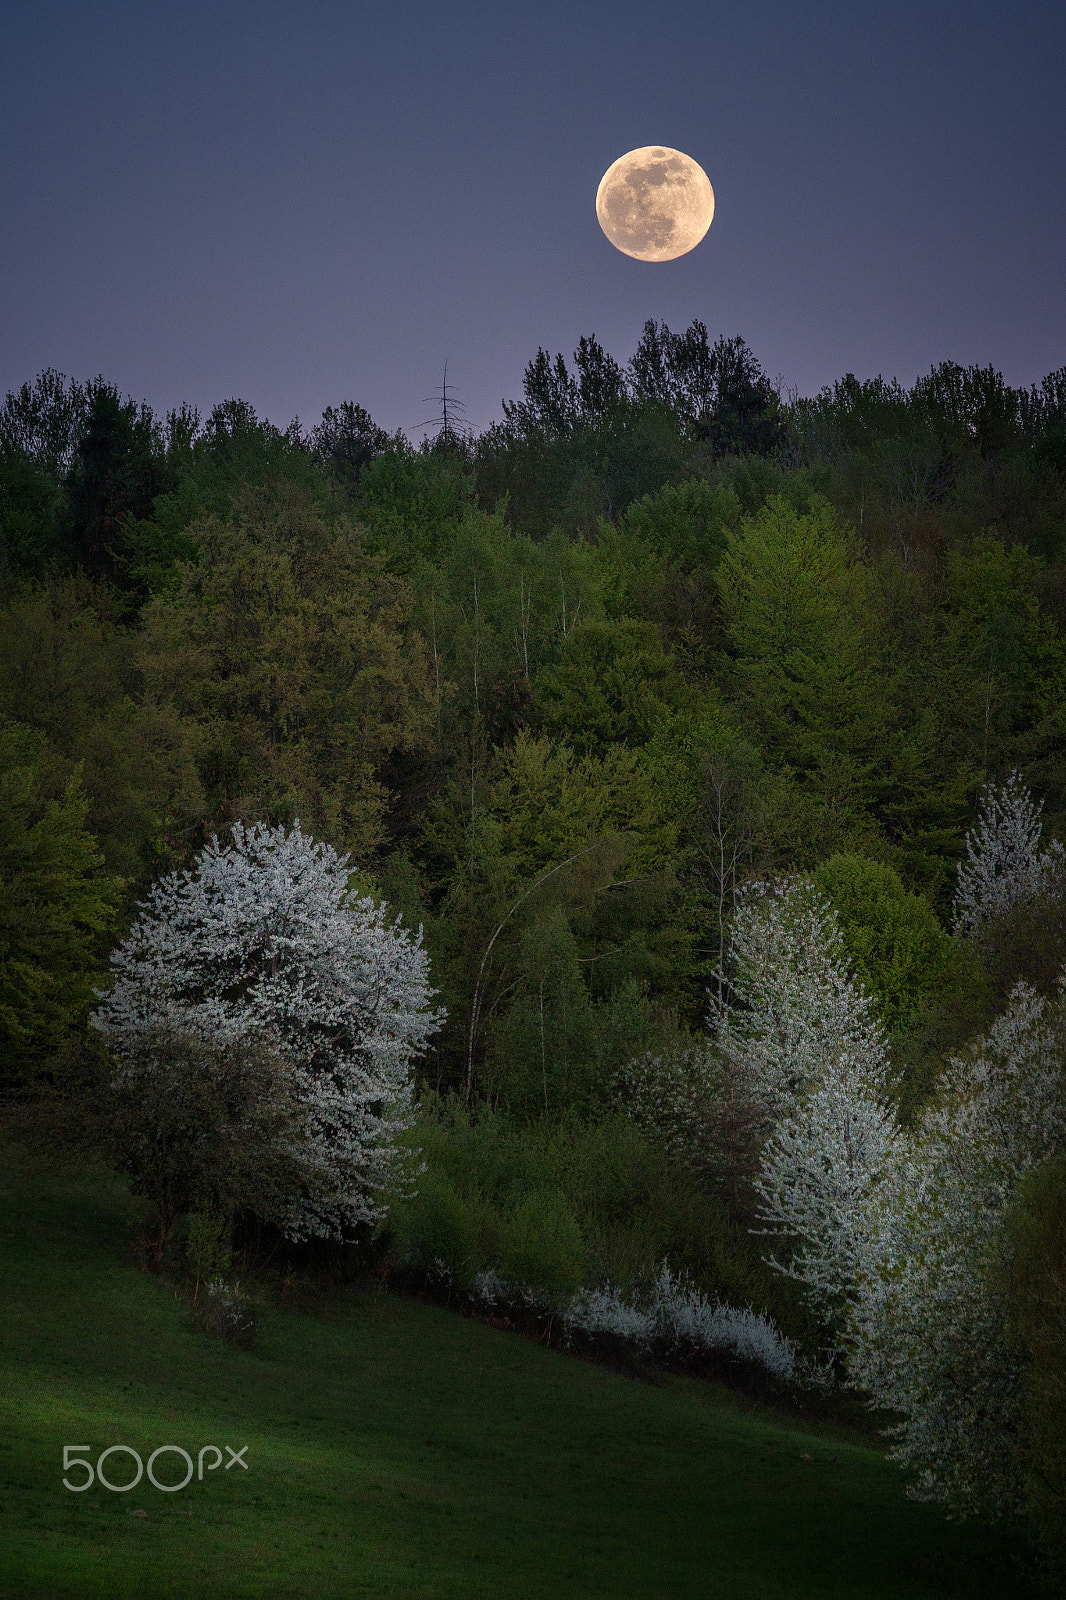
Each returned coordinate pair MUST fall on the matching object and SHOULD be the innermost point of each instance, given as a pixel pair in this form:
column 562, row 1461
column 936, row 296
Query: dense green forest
column 563, row 692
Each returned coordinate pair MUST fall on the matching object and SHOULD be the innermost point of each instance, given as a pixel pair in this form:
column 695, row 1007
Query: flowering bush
column 264, row 938
column 223, row 1310
column 671, row 1319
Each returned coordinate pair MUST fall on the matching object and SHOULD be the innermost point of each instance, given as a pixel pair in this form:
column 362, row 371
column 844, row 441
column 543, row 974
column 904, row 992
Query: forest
column 708, row 743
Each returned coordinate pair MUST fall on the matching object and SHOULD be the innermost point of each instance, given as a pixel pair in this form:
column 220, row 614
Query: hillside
column 397, row 1449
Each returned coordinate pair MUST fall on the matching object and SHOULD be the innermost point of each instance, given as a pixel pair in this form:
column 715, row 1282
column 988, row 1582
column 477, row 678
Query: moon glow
column 655, row 204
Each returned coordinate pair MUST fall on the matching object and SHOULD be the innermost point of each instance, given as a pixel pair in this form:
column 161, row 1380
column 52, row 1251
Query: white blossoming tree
column 820, row 1169
column 793, row 1007
column 805, row 1029
column 927, row 1334
column 789, row 1090
column 1005, row 868
column 264, row 939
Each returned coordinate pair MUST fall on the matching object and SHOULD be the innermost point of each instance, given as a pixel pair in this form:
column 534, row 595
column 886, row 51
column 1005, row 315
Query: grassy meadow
column 397, row 1449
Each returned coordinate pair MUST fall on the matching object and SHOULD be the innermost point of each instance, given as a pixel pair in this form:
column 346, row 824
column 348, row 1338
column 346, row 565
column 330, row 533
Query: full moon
column 655, row 203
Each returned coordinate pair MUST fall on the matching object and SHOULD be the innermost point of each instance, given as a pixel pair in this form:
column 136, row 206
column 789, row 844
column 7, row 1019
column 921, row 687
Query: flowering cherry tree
column 264, row 938
column 1005, row 867
column 792, row 1005
column 804, row 1026
column 927, row 1334
column 820, row 1169
column 789, row 1088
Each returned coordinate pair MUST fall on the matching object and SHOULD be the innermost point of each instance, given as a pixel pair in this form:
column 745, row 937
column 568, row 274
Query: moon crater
column 655, row 204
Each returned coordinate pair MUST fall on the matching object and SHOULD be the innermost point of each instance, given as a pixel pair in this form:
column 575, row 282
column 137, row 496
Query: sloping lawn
column 397, row 1449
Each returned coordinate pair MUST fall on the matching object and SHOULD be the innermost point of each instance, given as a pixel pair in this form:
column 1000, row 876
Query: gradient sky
column 299, row 204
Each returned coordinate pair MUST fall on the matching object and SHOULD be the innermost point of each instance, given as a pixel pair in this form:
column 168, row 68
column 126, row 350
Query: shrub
column 197, row 1122
column 439, row 1229
column 627, row 1199
column 207, row 1246
column 224, row 1311
column 543, row 1244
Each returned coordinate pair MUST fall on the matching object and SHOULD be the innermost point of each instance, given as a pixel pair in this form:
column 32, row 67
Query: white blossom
column 673, row 1094
column 791, row 1083
column 677, row 1319
column 820, row 1169
column 263, row 936
column 926, row 1334
column 809, row 1036
column 794, row 1007
column 685, row 1318
column 1004, row 868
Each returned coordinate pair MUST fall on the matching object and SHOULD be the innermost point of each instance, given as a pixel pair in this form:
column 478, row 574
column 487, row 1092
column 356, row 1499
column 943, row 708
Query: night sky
column 299, row 204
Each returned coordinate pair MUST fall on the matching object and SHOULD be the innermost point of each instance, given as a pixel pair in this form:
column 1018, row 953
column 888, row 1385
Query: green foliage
column 198, row 1124
column 211, row 467
column 802, row 622
column 662, row 555
column 1028, row 942
column 67, row 669
column 892, row 937
column 719, row 393
column 207, row 1244
column 614, row 684
column 995, row 627
column 953, row 448
column 292, row 653
column 495, row 609
column 568, row 480
column 345, row 441
column 548, row 800
column 570, row 1199
column 57, row 908
column 605, row 915
column 118, row 470
column 543, row 1244
column 543, row 1051
column 412, row 502
column 29, row 509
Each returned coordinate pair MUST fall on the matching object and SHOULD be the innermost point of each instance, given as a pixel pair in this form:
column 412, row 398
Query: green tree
column 719, row 393
column 195, row 1123
column 68, row 669
column 613, row 684
column 57, row 908
column 543, row 1053
column 802, row 621
column 893, row 938
column 119, row 468
column 345, row 440
column 292, row 651
column 211, row 466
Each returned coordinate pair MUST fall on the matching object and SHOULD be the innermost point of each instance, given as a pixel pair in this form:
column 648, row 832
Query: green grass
column 398, row 1449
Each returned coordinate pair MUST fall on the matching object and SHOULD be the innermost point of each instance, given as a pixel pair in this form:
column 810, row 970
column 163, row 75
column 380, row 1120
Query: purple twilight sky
column 302, row 204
